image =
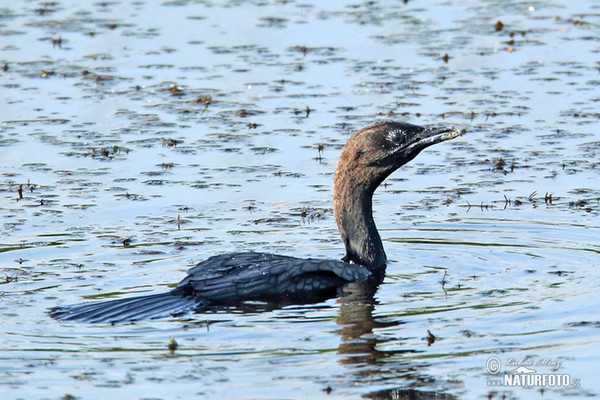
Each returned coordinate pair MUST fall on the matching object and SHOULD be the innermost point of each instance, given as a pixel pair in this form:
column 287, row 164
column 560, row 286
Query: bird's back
column 234, row 277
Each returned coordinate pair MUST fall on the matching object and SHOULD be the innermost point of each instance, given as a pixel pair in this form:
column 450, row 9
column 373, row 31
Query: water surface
column 138, row 139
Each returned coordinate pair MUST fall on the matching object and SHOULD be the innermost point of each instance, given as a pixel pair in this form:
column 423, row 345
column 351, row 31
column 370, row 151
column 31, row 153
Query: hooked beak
column 431, row 136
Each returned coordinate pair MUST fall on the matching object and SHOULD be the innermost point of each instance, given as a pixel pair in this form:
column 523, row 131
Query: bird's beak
column 431, row 136
column 427, row 137
column 417, row 142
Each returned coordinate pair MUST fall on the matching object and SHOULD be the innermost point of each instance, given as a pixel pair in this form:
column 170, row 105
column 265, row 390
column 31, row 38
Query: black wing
column 227, row 279
column 242, row 276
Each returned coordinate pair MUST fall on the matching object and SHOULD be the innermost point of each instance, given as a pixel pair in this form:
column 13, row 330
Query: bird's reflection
column 359, row 347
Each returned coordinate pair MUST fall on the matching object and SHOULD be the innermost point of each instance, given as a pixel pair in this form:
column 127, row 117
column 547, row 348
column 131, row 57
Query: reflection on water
column 138, row 139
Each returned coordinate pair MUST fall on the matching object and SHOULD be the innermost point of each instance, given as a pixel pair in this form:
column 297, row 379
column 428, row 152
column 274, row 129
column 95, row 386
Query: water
column 147, row 137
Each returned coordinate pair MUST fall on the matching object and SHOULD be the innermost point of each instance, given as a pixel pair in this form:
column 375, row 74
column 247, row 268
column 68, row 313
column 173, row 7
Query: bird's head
column 379, row 149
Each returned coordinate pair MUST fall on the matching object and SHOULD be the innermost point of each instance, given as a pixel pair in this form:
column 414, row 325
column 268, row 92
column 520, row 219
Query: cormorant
column 368, row 158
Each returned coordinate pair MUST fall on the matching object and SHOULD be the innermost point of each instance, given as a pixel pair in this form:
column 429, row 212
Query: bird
column 370, row 155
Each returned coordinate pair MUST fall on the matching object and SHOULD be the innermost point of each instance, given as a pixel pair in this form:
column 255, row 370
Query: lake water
column 147, row 136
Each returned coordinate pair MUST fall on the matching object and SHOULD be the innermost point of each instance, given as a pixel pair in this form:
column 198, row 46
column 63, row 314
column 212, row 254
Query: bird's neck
column 353, row 198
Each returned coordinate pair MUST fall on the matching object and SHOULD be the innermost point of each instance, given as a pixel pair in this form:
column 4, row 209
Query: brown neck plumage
column 354, row 186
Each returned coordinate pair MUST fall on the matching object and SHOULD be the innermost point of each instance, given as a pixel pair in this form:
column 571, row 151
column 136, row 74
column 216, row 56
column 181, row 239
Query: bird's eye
column 397, row 136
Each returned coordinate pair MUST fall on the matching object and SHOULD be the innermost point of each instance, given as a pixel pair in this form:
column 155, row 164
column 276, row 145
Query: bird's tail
column 129, row 309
